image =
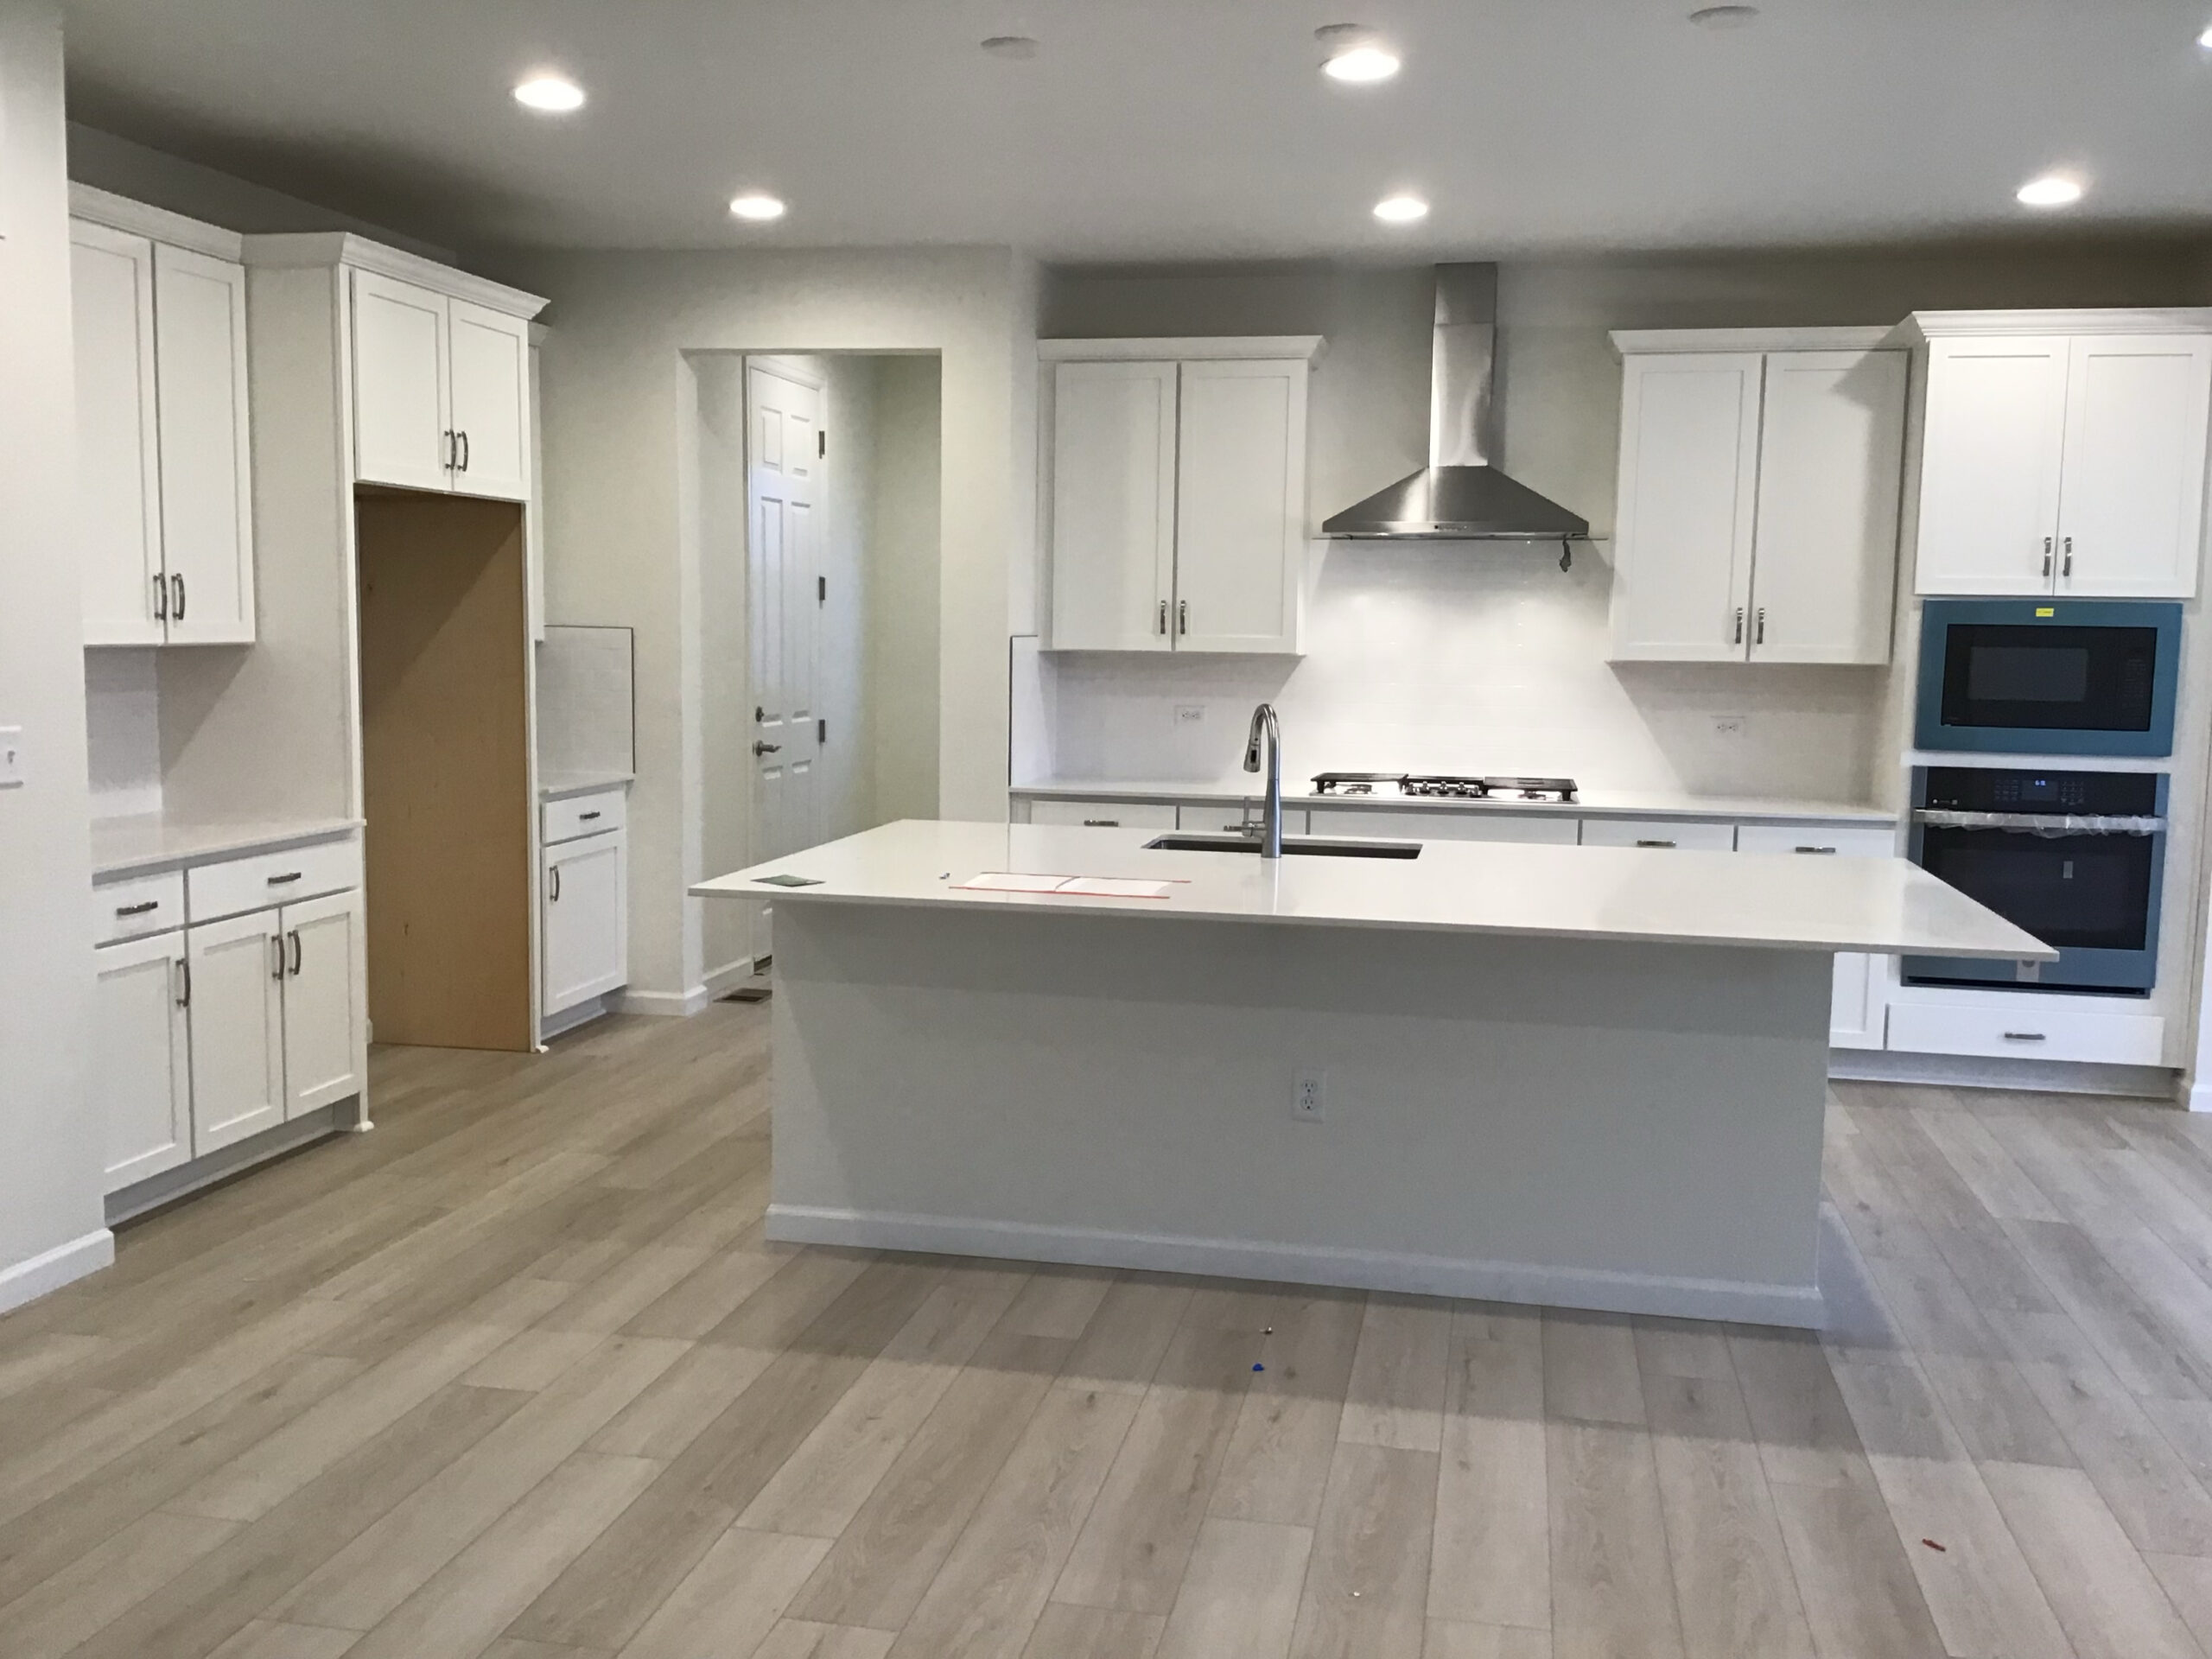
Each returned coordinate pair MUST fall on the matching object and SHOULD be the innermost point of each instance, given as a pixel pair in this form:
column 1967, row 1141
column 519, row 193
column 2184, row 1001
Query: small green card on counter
column 789, row 881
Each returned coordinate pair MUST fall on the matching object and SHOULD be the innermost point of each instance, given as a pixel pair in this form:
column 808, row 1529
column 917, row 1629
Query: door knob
column 767, row 748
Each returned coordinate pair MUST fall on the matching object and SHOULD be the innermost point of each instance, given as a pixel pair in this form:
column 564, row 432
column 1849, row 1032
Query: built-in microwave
column 2048, row 676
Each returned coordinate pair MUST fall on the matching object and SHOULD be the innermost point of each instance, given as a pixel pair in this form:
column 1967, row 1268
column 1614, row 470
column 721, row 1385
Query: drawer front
column 584, row 815
column 1113, row 814
column 239, row 885
column 1857, row 841
column 2027, row 1031
column 133, row 908
column 1687, row 834
column 1559, row 832
column 1211, row 820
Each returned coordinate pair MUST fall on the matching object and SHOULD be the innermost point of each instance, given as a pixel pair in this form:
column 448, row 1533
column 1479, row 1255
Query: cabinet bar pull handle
column 143, row 908
column 1816, row 850
column 2066, row 567
column 184, row 976
column 464, row 452
column 451, row 452
column 299, row 953
column 2046, row 556
column 176, row 611
column 277, row 939
column 1759, row 638
column 1102, row 823
column 160, row 599
column 1655, row 843
column 289, row 876
column 1182, row 616
column 1163, row 618
column 1738, row 639
column 2024, row 1037
column 586, row 818
column 555, row 897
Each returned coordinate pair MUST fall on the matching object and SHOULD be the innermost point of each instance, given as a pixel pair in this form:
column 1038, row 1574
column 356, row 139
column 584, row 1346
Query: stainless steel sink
column 1316, row 846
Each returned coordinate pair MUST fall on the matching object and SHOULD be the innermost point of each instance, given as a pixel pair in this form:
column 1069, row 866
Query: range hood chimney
column 1460, row 495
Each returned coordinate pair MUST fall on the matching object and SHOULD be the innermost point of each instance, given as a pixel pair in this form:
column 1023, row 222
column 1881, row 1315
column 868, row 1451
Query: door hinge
column 820, row 732
column 822, row 590
column 820, row 442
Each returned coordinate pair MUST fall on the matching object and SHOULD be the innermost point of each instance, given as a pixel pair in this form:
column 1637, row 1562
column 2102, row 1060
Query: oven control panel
column 1992, row 789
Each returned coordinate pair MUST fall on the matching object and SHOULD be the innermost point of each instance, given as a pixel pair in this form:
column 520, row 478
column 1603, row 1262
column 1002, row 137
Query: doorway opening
column 819, row 503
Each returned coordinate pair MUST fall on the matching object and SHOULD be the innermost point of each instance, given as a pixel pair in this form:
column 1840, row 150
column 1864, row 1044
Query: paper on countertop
column 1088, row 887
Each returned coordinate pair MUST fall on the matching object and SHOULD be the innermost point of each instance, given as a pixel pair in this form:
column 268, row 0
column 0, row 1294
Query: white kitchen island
column 1589, row 1076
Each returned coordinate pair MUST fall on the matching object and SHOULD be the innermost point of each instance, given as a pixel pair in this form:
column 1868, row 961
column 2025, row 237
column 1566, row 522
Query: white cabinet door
column 1113, row 482
column 402, row 431
column 586, row 938
column 142, row 1057
column 325, row 954
column 1831, row 463
column 205, row 446
column 1858, row 1005
column 2131, row 506
column 1240, row 514
column 238, row 1029
column 1112, row 814
column 1553, row 829
column 1688, row 483
column 118, row 486
column 488, row 399
column 1990, row 464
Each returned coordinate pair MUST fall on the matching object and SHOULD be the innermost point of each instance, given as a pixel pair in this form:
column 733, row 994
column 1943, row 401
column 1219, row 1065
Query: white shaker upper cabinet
column 1689, row 485
column 1113, row 484
column 488, row 398
column 1240, row 515
column 119, row 478
column 403, row 432
column 206, row 446
column 2131, row 506
column 1831, row 463
column 1990, row 461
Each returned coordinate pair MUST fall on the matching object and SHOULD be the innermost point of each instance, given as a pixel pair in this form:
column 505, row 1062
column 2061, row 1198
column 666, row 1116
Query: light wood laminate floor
column 517, row 1376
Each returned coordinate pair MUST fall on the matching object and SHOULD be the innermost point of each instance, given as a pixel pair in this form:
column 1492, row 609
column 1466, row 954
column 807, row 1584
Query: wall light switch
column 1728, row 726
column 11, row 757
column 1190, row 714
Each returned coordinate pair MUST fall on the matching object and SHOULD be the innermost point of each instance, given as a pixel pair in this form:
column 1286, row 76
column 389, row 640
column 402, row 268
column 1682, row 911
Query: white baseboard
column 675, row 1005
column 722, row 980
column 28, row 1280
column 340, row 1117
column 1425, row 1276
column 1977, row 1071
column 2199, row 1097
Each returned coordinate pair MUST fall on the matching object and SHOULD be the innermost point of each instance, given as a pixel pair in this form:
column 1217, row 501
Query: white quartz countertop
column 143, row 845
column 1881, row 905
column 559, row 786
column 1591, row 803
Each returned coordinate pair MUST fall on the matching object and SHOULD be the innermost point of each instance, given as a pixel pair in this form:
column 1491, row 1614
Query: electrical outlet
column 1308, row 1096
column 1728, row 727
column 11, row 757
column 1190, row 714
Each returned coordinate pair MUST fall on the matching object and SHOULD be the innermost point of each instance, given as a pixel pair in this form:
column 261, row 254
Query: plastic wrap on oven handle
column 2039, row 823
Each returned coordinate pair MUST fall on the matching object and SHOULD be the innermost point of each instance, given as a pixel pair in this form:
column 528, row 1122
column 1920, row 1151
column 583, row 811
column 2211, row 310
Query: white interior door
column 2131, row 506
column 783, row 460
column 1240, row 510
column 206, row 446
column 1989, row 468
column 585, row 950
column 325, row 958
column 118, row 482
column 402, row 429
column 238, row 1029
column 1113, row 506
column 1688, row 486
column 489, row 396
column 142, row 1057
column 1831, row 464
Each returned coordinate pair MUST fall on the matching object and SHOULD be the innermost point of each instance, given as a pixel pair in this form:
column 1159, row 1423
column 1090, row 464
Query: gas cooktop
column 1408, row 785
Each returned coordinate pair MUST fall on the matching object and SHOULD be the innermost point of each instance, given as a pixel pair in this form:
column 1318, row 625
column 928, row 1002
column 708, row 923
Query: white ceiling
column 1175, row 129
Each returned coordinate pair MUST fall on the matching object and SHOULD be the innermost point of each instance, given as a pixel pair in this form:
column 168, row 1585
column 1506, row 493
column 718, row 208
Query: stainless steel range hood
column 1460, row 496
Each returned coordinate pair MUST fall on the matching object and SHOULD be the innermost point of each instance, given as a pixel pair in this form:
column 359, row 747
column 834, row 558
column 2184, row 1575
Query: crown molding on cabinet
column 1212, row 349
column 307, row 250
column 154, row 224
column 1629, row 342
column 1924, row 326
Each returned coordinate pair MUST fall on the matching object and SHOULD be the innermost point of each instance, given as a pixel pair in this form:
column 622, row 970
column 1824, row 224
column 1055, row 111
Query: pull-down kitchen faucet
column 1263, row 725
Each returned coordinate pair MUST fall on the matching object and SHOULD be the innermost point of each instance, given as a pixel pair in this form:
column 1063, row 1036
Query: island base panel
column 1598, row 1124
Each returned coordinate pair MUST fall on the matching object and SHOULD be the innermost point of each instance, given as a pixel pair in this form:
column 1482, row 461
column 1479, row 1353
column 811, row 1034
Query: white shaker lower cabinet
column 1556, row 829
column 325, row 969
column 585, row 939
column 1858, row 1012
column 142, row 1062
column 1666, row 835
column 236, row 1003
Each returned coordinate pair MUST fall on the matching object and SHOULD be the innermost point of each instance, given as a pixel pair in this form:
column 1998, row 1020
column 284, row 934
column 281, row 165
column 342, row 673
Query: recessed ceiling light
column 757, row 206
column 551, row 94
column 1725, row 16
column 2205, row 39
column 2052, row 190
column 1355, row 54
column 1400, row 210
column 1019, row 48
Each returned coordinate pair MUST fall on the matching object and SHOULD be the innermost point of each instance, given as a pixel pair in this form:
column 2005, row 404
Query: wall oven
column 2074, row 857
column 2049, row 677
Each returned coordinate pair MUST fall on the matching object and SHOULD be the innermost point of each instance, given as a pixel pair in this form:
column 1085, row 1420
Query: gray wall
column 902, row 576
